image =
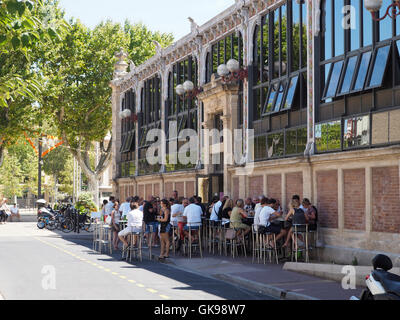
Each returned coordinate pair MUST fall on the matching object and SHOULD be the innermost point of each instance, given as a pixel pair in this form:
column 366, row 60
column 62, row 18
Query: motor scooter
column 381, row 284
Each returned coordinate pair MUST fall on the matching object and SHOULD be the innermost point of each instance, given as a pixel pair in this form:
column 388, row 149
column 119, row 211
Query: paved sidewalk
column 270, row 279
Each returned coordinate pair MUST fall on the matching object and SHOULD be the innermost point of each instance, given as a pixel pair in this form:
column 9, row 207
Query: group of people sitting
column 8, row 213
column 157, row 217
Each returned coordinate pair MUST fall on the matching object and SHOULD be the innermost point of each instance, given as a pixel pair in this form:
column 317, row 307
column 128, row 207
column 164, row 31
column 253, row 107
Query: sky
column 159, row 15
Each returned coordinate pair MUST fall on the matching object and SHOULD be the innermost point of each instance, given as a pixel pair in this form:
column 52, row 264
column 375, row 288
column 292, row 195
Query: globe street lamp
column 231, row 71
column 187, row 90
column 374, row 6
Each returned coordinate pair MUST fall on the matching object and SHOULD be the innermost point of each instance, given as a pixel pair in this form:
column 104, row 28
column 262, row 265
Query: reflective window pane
column 334, row 79
column 362, row 71
column 334, row 134
column 320, row 137
column 275, row 145
column 327, row 136
column 351, row 66
column 385, row 26
column 301, row 140
column 290, row 93
column 269, row 104
column 296, row 37
column 379, row 67
column 328, row 29
column 279, row 97
column 356, row 132
column 356, row 7
column 339, row 30
column 367, row 27
column 260, row 148
column 291, row 142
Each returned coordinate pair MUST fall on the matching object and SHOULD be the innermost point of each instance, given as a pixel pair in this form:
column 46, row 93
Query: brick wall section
column 168, row 189
column 180, row 187
column 235, row 188
column 141, row 191
column 327, row 185
column 354, row 199
column 149, row 190
column 294, row 185
column 157, row 190
column 256, row 186
column 274, row 187
column 190, row 189
column 385, row 200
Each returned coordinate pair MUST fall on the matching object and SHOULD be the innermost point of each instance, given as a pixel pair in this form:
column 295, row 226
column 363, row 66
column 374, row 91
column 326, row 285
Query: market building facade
column 317, row 96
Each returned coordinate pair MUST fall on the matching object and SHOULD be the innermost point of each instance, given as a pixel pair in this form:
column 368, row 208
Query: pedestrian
column 149, row 218
column 125, row 207
column 115, row 220
column 109, row 208
column 15, row 213
column 165, row 227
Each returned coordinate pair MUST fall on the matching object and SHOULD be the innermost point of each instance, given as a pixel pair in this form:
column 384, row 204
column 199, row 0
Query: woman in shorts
column 165, row 226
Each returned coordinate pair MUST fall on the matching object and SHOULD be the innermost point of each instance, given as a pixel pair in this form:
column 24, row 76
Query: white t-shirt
column 214, row 211
column 302, row 208
column 135, row 218
column 193, row 213
column 108, row 208
column 176, row 208
column 265, row 215
column 14, row 210
column 125, row 208
column 257, row 215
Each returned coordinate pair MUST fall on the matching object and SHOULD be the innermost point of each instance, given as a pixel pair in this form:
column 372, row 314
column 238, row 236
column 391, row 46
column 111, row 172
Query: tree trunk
column 1, row 156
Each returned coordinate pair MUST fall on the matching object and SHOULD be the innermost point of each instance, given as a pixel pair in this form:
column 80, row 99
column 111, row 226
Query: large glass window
column 183, row 113
column 349, row 74
column 379, row 67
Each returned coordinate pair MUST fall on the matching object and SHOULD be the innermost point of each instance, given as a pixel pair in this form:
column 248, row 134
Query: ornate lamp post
column 374, row 6
column 231, row 71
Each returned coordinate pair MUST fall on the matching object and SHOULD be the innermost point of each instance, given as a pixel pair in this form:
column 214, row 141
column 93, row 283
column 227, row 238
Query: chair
column 174, row 229
column 300, row 230
column 149, row 240
column 189, row 246
column 105, row 239
column 313, row 241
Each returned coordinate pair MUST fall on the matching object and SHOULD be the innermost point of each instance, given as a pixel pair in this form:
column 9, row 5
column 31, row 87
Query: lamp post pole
column 40, row 169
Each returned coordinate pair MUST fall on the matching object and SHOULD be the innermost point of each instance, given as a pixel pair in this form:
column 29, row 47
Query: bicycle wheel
column 67, row 226
column 51, row 225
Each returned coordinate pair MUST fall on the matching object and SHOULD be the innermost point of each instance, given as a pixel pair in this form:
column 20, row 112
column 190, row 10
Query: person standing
column 125, row 208
column 115, row 220
column 149, row 218
column 15, row 213
column 165, row 227
column 109, row 207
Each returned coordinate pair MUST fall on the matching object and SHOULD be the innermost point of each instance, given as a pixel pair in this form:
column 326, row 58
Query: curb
column 264, row 288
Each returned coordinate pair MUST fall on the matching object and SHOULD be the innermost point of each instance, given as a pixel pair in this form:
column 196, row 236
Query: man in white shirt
column 257, row 210
column 109, row 207
column 176, row 212
column 267, row 215
column 215, row 209
column 4, row 211
column 125, row 208
column 15, row 212
column 135, row 224
column 192, row 215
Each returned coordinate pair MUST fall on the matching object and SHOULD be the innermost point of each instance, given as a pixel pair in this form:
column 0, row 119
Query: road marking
column 99, row 267
column 152, row 290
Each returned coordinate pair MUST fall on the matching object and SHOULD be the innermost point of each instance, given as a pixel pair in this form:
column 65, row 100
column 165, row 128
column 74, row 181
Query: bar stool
column 300, row 230
column 149, row 240
column 136, row 250
column 174, row 229
column 106, row 238
column 188, row 245
column 265, row 246
column 97, row 235
column 255, row 243
column 313, row 242
column 214, row 230
column 238, row 242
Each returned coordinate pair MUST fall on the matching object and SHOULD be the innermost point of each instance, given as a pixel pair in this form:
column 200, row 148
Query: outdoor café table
column 249, row 221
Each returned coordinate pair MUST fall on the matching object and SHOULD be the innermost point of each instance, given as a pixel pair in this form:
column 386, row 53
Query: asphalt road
column 41, row 265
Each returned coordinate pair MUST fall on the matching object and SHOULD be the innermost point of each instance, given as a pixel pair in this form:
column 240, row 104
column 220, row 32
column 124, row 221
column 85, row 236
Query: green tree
column 11, row 177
